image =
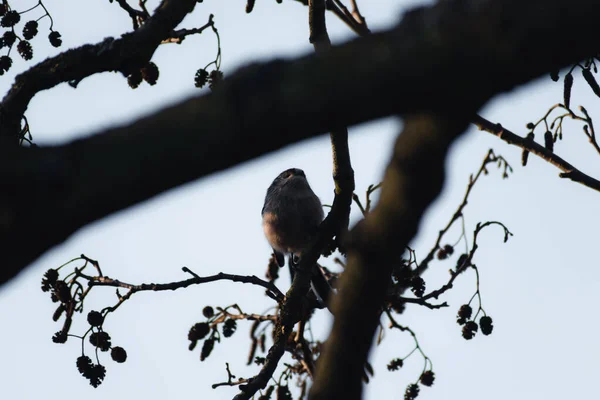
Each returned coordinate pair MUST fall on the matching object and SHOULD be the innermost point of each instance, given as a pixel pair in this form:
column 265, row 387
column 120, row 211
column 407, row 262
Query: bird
column 291, row 216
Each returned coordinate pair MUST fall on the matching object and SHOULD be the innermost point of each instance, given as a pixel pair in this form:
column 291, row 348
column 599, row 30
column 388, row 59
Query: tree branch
column 132, row 50
column 343, row 174
column 490, row 158
column 50, row 192
column 413, row 178
column 466, row 262
column 335, row 223
column 135, row 15
column 569, row 171
column 356, row 26
column 177, row 36
column 157, row 287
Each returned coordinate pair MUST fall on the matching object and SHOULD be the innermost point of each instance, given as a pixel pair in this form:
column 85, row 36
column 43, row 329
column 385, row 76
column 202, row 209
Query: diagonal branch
column 335, row 224
column 132, row 50
column 50, row 192
column 569, row 171
column 414, row 177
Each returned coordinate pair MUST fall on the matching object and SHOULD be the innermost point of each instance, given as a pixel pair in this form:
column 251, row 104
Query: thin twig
column 467, row 262
column 489, row 158
column 136, row 16
column 178, row 36
column 230, row 378
column 254, row 280
column 241, row 315
column 395, row 324
column 422, row 302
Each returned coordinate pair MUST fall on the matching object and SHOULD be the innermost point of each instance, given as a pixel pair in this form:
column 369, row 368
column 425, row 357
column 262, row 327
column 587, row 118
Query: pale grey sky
column 540, row 287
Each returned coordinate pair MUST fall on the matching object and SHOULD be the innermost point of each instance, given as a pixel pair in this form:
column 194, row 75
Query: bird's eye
column 288, row 175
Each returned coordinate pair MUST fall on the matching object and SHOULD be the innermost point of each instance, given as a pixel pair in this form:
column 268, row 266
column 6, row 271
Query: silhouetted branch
column 490, row 158
column 289, row 314
column 137, row 16
column 230, row 379
column 466, row 262
column 422, row 302
column 249, row 108
column 132, row 50
column 343, row 174
column 225, row 315
column 418, row 161
column 336, row 224
column 353, row 24
column 275, row 293
column 357, row 15
column 569, row 171
column 177, row 36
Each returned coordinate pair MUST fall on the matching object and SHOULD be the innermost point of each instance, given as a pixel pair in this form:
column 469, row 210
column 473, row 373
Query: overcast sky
column 541, row 287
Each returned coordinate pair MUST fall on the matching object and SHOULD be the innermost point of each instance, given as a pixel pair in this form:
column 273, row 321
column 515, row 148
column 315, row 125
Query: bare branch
column 330, row 5
column 225, row 314
column 569, row 171
column 289, row 314
column 355, row 21
column 157, row 287
column 375, row 242
column 336, row 224
column 247, row 111
column 422, row 302
column 343, row 174
column 356, row 13
column 136, row 16
column 489, row 159
column 130, row 51
column 230, row 379
column 465, row 262
column 177, row 36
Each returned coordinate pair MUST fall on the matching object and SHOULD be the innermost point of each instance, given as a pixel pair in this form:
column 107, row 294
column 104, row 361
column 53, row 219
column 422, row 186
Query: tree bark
column 414, row 177
column 442, row 59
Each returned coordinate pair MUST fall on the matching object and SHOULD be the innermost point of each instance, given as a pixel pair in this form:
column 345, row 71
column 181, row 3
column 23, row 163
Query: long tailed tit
column 291, row 217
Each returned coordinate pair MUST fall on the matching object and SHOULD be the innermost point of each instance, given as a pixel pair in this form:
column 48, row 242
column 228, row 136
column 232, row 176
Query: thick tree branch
column 132, row 50
column 343, row 174
column 569, row 171
column 413, row 178
column 335, row 224
column 436, row 59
